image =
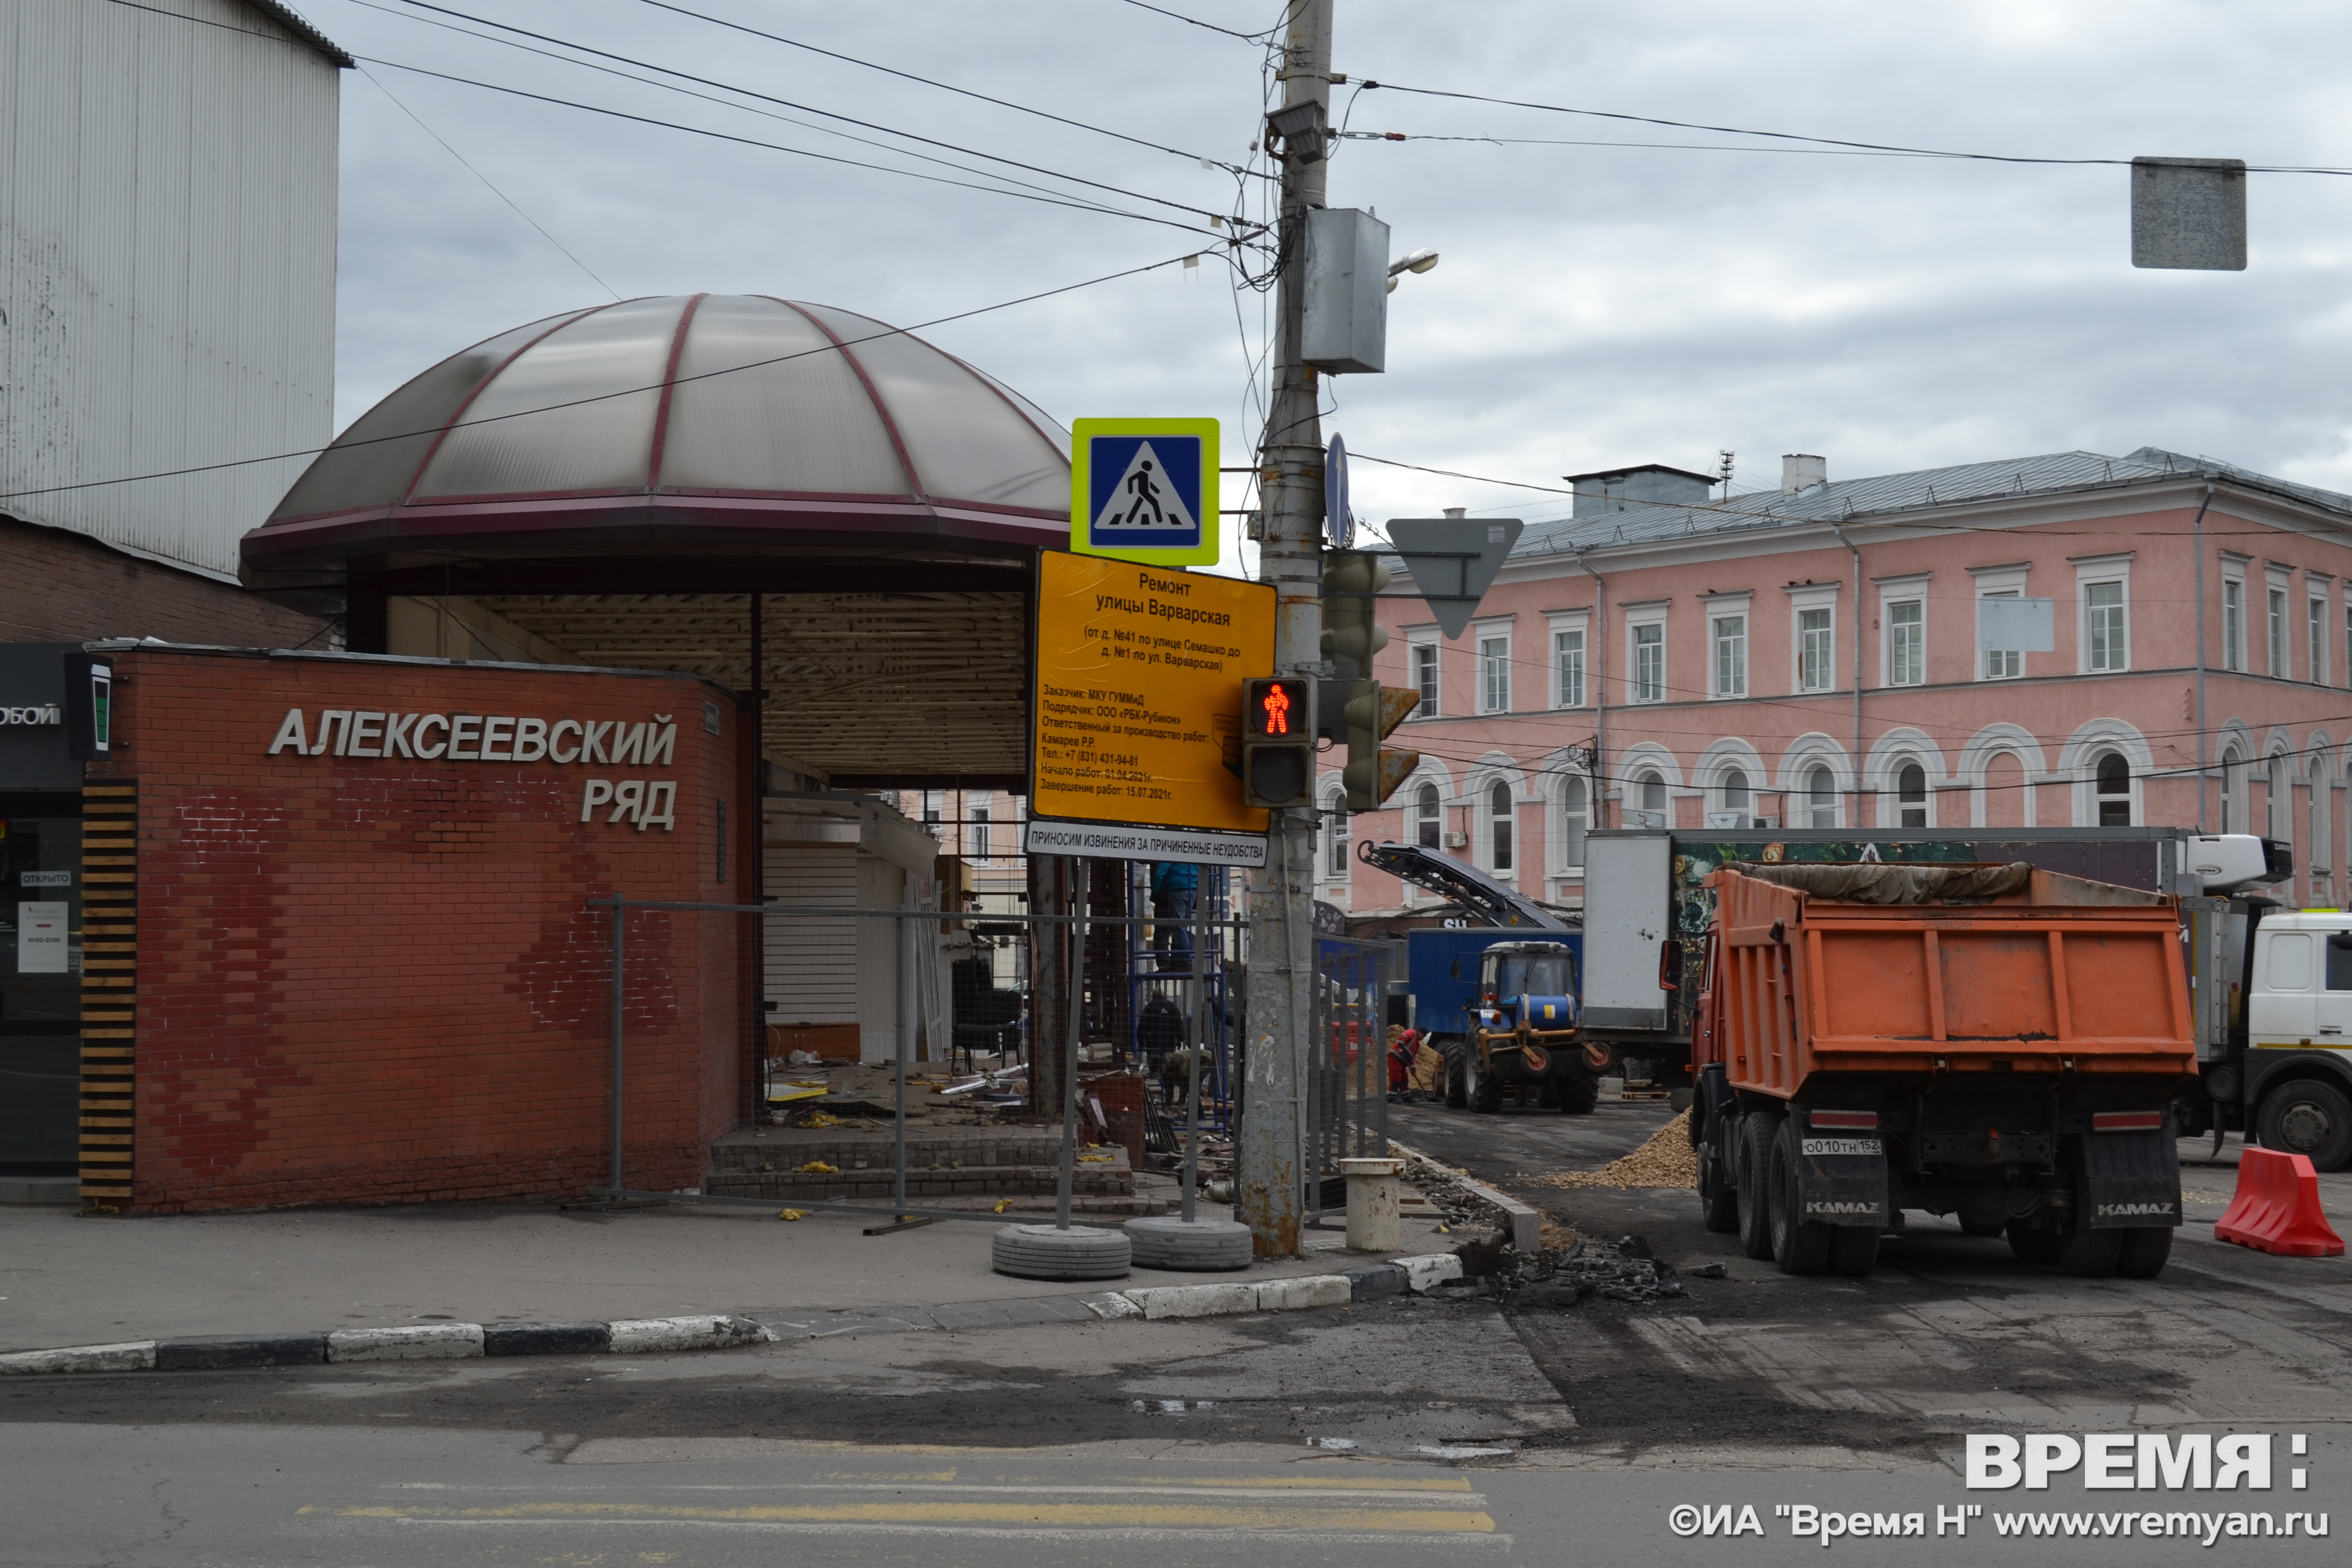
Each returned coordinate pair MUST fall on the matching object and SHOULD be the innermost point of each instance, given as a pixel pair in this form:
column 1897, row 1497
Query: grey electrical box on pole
column 1346, row 330
column 2189, row 214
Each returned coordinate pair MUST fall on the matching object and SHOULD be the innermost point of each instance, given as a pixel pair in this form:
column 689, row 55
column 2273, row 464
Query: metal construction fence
column 974, row 993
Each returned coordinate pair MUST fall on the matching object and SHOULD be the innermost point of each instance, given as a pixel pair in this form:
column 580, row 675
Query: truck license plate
column 1840, row 1146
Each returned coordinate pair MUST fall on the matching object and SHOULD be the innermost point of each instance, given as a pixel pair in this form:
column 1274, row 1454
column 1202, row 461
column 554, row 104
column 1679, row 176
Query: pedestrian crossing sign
column 1145, row 491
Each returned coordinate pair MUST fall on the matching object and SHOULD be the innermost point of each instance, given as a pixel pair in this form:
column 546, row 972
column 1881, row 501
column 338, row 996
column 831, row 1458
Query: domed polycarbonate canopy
column 701, row 424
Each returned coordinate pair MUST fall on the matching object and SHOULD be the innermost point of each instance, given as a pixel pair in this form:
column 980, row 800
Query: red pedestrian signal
column 1275, row 702
column 1278, row 741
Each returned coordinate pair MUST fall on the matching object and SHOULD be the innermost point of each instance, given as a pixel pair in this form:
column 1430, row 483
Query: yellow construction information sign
column 1137, row 710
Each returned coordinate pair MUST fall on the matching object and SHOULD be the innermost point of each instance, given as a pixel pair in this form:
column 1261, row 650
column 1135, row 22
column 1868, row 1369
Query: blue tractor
column 1501, row 1000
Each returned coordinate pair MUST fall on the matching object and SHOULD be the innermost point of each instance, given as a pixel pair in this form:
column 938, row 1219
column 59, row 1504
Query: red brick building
column 337, row 940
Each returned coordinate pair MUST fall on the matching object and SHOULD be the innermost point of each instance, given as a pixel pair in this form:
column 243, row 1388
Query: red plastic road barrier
column 2277, row 1207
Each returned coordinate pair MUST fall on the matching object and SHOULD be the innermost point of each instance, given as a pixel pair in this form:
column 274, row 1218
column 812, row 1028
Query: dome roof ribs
column 457, row 414
column 889, row 422
column 668, row 393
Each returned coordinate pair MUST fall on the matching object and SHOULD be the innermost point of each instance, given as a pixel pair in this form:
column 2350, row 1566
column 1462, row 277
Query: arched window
column 1911, row 794
column 1335, row 837
column 1498, row 840
column 1651, row 790
column 1427, row 820
column 1575, row 816
column 2233, row 791
column 1734, row 789
column 2278, row 821
column 1820, row 797
column 2112, row 780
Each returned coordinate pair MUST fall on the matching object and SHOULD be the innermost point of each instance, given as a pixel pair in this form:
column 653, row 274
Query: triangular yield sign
column 1454, row 560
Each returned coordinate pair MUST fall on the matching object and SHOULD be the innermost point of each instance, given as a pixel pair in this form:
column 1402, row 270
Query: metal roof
column 292, row 20
column 679, row 420
column 1880, row 496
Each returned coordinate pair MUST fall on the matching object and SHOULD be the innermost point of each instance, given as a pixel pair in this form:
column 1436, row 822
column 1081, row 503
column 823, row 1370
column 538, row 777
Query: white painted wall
column 167, row 267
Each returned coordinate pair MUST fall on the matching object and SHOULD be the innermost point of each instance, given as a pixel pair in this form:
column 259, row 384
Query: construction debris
column 1667, row 1160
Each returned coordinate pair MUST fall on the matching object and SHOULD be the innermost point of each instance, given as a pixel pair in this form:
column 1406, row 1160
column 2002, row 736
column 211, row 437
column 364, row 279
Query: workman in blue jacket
column 1175, row 884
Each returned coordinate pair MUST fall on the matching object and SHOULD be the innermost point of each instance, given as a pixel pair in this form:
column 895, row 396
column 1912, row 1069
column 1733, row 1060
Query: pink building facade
column 1998, row 644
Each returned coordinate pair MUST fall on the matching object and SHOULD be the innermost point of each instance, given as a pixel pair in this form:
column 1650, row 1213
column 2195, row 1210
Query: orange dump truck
column 1996, row 1043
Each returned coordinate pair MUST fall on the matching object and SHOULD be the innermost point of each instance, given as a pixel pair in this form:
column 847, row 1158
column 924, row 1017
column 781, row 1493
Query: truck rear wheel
column 2091, row 1254
column 1578, row 1091
column 1755, row 1147
column 1454, row 1098
column 2307, row 1117
column 2145, row 1249
column 1719, row 1200
column 1854, row 1251
column 1982, row 1226
column 2032, row 1242
column 1800, row 1246
column 1482, row 1092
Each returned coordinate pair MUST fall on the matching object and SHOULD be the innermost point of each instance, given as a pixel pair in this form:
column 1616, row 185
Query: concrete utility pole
column 1269, row 1157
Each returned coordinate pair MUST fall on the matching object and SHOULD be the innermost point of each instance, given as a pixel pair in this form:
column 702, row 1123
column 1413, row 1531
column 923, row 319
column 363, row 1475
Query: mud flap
column 1842, row 1179
column 2131, row 1179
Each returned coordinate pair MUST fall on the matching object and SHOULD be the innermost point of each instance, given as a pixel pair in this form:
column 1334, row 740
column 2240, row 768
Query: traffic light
column 1373, row 712
column 1278, row 741
column 1351, row 580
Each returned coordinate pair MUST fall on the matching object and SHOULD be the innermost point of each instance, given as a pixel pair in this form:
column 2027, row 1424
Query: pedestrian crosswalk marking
column 1286, row 1514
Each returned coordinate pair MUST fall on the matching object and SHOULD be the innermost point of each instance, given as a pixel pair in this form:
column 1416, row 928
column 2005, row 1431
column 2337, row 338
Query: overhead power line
column 604, row 397
column 494, row 190
column 1257, row 37
column 928, row 81
column 1878, row 147
column 731, row 103
column 811, row 108
column 1076, row 205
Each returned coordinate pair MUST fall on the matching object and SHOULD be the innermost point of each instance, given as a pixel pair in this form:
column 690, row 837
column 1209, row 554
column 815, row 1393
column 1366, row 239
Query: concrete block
column 638, row 1335
column 545, row 1339
column 420, row 1342
column 1194, row 1300
column 137, row 1355
column 1111, row 1304
column 1377, row 1280
column 207, row 1353
column 1425, row 1273
column 1310, row 1290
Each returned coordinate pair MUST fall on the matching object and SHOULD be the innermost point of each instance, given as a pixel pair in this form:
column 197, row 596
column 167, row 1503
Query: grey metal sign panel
column 33, row 753
column 2189, row 213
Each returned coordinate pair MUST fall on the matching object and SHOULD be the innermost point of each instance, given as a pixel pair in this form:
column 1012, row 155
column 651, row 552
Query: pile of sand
column 1667, row 1160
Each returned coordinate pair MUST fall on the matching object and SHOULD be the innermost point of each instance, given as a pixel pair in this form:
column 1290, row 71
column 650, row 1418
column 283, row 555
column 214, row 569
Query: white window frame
column 1813, row 597
column 1722, row 609
column 1892, row 805
column 2096, row 572
column 1419, row 645
column 1415, row 820
column 1483, row 802
column 1335, row 844
column 2319, row 591
column 1579, row 625
column 1998, row 583
column 1638, row 619
column 2278, row 634
column 2233, row 620
column 1490, row 667
column 1564, row 864
column 1801, row 797
column 1892, row 592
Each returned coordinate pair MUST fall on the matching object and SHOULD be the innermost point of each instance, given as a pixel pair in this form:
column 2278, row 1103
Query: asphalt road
column 1390, row 1432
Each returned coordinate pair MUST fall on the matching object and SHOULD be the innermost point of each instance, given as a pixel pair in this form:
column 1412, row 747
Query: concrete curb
column 633, row 1336
column 1525, row 1224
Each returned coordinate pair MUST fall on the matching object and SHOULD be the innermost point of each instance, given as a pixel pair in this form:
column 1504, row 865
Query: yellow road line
column 1335, row 1483
column 1096, row 1515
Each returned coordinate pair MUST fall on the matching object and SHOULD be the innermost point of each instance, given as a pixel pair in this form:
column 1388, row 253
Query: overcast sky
column 1595, row 305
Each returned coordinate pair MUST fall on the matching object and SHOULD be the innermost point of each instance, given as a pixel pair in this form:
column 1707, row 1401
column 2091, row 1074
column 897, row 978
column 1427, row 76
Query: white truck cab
column 2297, row 1059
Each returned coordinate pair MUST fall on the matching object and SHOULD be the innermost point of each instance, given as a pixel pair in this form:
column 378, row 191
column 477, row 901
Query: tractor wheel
column 1482, row 1092
column 1455, row 1100
column 1578, row 1091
